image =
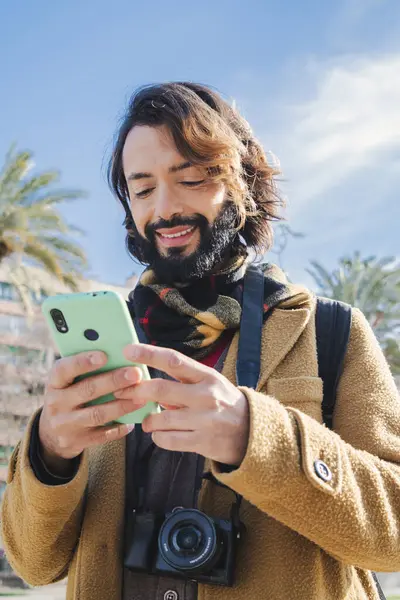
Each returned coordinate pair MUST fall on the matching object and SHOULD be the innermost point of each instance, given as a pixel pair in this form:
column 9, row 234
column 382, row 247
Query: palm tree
column 373, row 286
column 31, row 227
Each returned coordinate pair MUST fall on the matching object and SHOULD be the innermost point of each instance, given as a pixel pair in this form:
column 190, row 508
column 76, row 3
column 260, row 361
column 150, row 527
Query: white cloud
column 351, row 122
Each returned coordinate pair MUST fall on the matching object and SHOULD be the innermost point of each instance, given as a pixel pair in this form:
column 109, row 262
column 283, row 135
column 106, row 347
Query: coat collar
column 282, row 329
column 280, row 333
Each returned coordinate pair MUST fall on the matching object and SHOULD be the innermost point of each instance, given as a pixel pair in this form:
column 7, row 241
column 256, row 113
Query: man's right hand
column 66, row 425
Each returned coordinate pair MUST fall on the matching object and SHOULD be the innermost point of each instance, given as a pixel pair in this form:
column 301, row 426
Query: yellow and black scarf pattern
column 191, row 318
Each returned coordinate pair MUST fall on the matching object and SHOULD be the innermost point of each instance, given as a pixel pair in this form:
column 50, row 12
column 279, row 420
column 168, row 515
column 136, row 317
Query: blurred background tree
column 282, row 234
column 373, row 286
column 32, row 228
column 33, row 233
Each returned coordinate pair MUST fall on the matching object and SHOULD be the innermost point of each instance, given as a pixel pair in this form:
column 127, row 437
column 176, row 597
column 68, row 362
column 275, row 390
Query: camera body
column 185, row 543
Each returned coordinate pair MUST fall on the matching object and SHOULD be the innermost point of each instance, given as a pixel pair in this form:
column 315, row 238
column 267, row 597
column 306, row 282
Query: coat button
column 171, row 595
column 322, row 470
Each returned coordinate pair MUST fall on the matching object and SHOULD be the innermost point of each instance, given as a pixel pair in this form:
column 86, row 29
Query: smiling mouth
column 177, row 238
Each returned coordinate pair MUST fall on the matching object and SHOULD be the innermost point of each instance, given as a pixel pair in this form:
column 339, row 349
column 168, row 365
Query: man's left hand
column 205, row 413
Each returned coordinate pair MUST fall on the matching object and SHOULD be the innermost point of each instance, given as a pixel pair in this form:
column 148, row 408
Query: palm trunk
column 378, row 319
column 4, row 251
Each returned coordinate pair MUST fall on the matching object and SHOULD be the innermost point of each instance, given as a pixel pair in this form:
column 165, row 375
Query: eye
column 148, row 191
column 193, row 183
column 143, row 193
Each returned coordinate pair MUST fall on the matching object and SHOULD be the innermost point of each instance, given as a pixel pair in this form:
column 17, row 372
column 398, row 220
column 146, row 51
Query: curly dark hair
column 211, row 134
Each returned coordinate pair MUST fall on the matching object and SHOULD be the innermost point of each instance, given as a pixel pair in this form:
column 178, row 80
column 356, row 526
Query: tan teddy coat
column 306, row 539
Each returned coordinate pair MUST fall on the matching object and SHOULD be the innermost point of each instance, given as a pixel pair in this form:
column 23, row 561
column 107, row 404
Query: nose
column 166, row 203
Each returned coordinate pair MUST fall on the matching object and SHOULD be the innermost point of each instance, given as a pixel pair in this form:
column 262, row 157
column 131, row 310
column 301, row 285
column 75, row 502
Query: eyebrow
column 173, row 169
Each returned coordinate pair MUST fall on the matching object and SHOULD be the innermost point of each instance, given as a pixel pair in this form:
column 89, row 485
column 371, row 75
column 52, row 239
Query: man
column 321, row 508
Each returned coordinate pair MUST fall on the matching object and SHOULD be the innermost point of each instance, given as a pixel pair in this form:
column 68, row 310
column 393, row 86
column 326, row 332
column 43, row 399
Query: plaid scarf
column 192, row 318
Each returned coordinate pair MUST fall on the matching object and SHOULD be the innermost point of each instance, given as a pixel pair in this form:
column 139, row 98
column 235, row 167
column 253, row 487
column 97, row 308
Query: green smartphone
column 96, row 321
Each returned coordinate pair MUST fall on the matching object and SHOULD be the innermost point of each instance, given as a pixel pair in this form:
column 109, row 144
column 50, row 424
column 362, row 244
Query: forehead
column 147, row 148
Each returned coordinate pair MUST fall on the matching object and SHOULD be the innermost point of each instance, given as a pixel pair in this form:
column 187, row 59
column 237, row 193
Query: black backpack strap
column 333, row 322
column 251, row 325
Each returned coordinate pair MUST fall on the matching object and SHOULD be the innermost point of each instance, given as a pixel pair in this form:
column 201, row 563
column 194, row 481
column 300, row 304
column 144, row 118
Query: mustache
column 176, row 221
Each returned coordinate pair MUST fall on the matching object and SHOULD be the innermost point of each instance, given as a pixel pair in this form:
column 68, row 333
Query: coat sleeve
column 40, row 523
column 348, row 505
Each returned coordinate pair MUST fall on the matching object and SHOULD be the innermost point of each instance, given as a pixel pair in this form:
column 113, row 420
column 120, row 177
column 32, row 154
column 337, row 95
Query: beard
column 219, row 242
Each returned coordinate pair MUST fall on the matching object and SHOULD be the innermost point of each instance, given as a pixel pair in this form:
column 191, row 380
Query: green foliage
column 31, row 225
column 373, row 286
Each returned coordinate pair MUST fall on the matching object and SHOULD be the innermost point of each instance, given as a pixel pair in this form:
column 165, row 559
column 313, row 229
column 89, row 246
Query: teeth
column 175, row 235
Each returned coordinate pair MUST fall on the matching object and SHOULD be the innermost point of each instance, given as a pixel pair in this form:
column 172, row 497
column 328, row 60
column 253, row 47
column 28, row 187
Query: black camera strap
column 248, row 362
column 247, row 374
column 136, row 485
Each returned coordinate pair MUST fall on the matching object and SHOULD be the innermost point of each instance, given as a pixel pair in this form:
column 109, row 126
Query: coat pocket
column 303, row 393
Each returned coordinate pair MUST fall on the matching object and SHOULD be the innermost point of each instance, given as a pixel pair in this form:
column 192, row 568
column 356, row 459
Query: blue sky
column 318, row 81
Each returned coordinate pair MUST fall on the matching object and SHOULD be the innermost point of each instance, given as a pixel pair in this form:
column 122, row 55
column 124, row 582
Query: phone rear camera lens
column 59, row 320
column 91, row 334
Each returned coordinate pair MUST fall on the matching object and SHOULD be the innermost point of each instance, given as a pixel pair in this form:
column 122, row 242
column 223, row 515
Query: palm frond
column 64, row 247
column 372, row 285
column 16, row 167
column 45, row 257
column 30, row 223
column 13, row 220
column 322, row 277
column 55, row 197
column 72, row 280
column 76, row 229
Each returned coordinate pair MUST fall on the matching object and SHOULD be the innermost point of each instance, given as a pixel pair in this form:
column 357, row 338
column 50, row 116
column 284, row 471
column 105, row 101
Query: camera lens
column 91, row 334
column 189, row 541
column 59, row 320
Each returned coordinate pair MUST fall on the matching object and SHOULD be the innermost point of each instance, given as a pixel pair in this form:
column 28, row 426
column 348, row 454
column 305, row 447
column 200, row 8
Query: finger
column 102, row 435
column 179, row 441
column 99, row 415
column 169, row 361
column 163, row 391
column 67, row 369
column 176, row 420
column 92, row 388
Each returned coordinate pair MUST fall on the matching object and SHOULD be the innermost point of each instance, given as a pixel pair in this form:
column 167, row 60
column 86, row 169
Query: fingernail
column 131, row 375
column 130, row 427
column 97, row 359
column 133, row 352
